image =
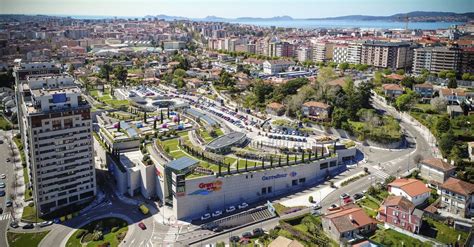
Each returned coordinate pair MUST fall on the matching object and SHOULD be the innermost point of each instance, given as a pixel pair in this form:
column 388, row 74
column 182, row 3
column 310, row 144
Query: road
column 381, row 164
column 112, row 206
column 6, row 168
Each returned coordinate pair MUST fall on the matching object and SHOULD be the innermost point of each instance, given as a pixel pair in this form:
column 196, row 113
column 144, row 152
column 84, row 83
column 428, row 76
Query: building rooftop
column 281, row 241
column 438, row 164
column 458, row 186
column 393, row 87
column 226, row 140
column 182, row 163
column 412, row 187
column 349, row 219
column 400, row 202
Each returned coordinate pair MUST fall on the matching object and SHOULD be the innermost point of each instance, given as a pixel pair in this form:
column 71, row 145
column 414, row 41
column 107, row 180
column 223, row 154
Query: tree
column 179, row 73
column 339, row 116
column 371, row 191
column 446, row 142
column 442, row 125
column 452, row 83
column 70, row 70
column 311, row 199
column 343, row 66
column 387, row 71
column 439, row 104
column 121, row 74
column 262, row 90
column 405, row 102
column 408, row 82
column 442, row 74
column 7, row 79
column 466, row 76
column 400, row 72
column 104, row 71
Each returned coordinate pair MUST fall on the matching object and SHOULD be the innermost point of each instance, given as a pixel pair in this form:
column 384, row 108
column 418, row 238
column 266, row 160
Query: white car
column 3, row 176
column 206, row 216
column 217, row 213
column 45, row 224
column 230, row 209
column 243, row 205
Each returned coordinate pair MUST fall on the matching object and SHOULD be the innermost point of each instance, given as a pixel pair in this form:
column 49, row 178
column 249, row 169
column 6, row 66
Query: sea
column 313, row 24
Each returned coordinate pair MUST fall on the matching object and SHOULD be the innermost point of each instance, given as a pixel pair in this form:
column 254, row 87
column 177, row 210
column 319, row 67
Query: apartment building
column 304, row 54
column 341, row 54
column 412, row 189
column 399, row 212
column 354, row 55
column 56, row 131
column 322, row 51
column 436, row 170
column 457, row 197
column 467, row 60
column 436, row 59
column 271, row 67
column 387, row 55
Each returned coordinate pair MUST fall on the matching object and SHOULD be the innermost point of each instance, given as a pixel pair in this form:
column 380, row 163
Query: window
column 323, row 166
column 264, row 191
column 269, row 189
column 294, row 182
column 302, row 180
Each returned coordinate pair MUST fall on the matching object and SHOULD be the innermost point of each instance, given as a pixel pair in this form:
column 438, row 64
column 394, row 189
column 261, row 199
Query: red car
column 347, row 200
column 142, row 225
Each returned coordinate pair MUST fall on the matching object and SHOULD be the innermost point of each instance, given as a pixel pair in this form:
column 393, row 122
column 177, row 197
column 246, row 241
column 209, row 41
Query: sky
column 231, row 8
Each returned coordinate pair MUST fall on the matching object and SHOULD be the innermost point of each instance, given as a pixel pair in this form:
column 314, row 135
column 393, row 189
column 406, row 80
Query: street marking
column 5, row 216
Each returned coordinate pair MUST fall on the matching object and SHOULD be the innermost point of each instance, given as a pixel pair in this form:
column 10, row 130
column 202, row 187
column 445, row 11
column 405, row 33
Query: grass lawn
column 393, row 238
column 219, row 132
column 105, row 97
column 171, row 144
column 29, row 214
column 444, row 233
column 4, row 124
column 369, row 206
column 26, row 179
column 423, row 107
column 94, row 93
column 25, row 239
column 250, row 163
column 107, row 226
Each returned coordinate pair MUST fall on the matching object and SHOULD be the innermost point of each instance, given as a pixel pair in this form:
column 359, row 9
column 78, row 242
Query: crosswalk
column 380, row 174
column 5, row 217
column 171, row 235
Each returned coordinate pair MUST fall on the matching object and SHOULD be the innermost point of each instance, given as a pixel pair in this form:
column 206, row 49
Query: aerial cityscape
column 236, row 123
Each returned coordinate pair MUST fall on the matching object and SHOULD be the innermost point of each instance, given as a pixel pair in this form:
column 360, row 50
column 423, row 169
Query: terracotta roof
column 393, row 87
column 412, row 187
column 349, row 219
column 316, row 104
column 424, row 85
column 275, row 105
column 458, row 186
column 452, row 91
column 341, row 81
column 399, row 201
column 438, row 164
column 281, row 241
column 395, row 77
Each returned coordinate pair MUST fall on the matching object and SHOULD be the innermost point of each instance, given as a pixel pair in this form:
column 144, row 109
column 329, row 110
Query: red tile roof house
column 347, row 224
column 275, row 108
column 399, row 212
column 316, row 110
column 392, row 90
column 412, row 189
column 436, row 170
column 457, row 197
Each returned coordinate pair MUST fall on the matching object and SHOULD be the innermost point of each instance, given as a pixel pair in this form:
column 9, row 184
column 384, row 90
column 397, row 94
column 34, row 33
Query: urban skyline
column 232, row 8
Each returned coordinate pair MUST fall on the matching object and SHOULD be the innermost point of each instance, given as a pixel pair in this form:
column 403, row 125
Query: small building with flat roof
column 223, row 143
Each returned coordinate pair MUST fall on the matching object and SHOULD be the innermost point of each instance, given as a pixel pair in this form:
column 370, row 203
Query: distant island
column 416, row 16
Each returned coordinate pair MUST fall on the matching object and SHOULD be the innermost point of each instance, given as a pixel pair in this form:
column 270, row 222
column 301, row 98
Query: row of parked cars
column 257, row 232
column 229, row 209
column 288, row 138
column 14, row 224
column 292, row 133
column 346, row 199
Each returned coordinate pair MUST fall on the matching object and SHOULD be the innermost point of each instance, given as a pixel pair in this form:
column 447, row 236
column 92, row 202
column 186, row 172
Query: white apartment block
column 341, row 54
column 322, row 51
column 436, row 59
column 304, row 54
column 354, row 53
column 56, row 131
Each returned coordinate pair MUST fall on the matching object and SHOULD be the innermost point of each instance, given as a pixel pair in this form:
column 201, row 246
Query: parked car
column 2, row 193
column 243, row 205
column 14, row 224
column 45, row 223
column 347, row 200
column 206, row 216
column 234, row 239
column 3, row 176
column 230, row 209
column 143, row 209
column 333, row 207
column 1, row 210
column 9, row 203
column 357, row 196
column 28, row 226
column 317, row 207
column 257, row 232
column 344, row 196
column 217, row 213
column 217, row 229
column 142, row 225
column 2, row 185
column 247, row 235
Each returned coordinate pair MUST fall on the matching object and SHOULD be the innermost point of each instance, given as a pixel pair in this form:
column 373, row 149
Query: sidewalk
column 318, row 195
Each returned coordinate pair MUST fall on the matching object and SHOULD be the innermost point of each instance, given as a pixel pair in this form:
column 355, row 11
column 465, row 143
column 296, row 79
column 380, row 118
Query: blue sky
column 231, row 8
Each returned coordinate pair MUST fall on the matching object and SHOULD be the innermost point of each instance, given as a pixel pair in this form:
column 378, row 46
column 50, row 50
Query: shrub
column 81, row 233
column 121, row 236
column 87, row 237
column 97, row 236
column 311, row 200
column 115, row 228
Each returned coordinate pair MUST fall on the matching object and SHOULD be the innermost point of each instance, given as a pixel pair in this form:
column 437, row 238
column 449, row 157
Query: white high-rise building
column 341, row 54
column 56, row 129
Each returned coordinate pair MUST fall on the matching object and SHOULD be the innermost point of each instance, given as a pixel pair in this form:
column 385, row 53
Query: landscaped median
column 16, row 239
column 102, row 232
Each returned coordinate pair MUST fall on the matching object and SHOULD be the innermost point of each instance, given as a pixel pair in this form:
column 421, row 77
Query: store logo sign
column 277, row 176
column 207, row 188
